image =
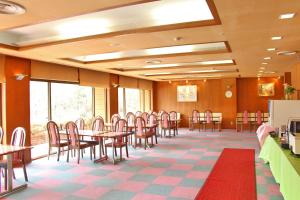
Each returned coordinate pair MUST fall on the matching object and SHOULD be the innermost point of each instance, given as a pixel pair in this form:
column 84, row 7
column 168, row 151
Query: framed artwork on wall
column 266, row 89
column 187, row 93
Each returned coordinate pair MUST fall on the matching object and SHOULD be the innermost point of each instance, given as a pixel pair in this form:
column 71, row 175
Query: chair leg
column 13, row 172
column 5, row 178
column 25, row 172
column 78, row 157
column 68, row 154
column 156, row 138
column 127, row 151
column 145, row 143
column 120, row 152
column 115, row 151
column 91, row 152
column 82, row 151
column 58, row 153
column 49, row 152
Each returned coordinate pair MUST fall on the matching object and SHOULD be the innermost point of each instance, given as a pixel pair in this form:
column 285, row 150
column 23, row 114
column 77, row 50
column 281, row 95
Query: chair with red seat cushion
column 54, row 139
column 208, row 120
column 75, row 142
column 152, row 119
column 174, row 122
column 130, row 117
column 141, row 132
column 194, row 120
column 165, row 124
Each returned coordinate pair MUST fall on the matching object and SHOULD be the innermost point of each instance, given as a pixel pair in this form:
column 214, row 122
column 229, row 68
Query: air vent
column 286, row 53
column 11, row 8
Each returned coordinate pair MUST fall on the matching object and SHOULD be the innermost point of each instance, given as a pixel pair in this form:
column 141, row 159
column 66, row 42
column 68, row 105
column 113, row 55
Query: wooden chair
column 217, row 118
column 243, row 120
column 141, row 132
column 74, row 141
column 98, row 125
column 152, row 119
column 239, row 121
column 80, row 124
column 265, row 117
column 208, row 120
column 54, row 139
column 258, row 119
column 145, row 116
column 173, row 121
column 252, row 120
column 18, row 139
column 120, row 142
column 194, row 120
column 166, row 125
column 130, row 117
column 114, row 120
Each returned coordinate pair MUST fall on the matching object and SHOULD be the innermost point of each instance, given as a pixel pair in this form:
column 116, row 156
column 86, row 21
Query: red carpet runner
column 232, row 178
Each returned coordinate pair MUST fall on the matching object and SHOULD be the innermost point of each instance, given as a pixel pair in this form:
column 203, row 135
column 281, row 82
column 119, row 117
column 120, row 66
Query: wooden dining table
column 8, row 151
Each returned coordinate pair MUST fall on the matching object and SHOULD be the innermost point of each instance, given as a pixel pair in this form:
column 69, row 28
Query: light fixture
column 271, row 49
column 170, row 82
column 276, row 38
column 270, row 72
column 286, row 53
column 287, row 16
column 20, row 77
column 204, row 80
column 153, row 62
column 262, row 68
column 267, row 58
column 11, row 8
column 186, row 81
column 264, row 63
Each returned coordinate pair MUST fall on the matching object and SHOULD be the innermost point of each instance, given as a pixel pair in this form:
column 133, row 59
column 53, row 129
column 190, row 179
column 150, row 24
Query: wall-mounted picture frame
column 187, row 93
column 266, row 89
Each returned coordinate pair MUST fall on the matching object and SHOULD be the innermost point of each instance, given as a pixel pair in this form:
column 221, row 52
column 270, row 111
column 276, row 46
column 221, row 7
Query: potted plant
column 288, row 91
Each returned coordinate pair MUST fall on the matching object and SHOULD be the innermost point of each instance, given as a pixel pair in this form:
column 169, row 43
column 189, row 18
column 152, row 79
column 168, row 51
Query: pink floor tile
column 120, row 175
column 273, row 189
column 85, row 179
column 91, row 192
column 260, row 180
column 167, row 180
column 185, row 192
column 182, row 166
column 153, row 171
column 197, row 174
column 143, row 196
column 132, row 186
column 48, row 195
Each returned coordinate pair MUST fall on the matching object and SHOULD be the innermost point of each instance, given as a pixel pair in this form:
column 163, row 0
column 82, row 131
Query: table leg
column 100, row 155
column 113, row 152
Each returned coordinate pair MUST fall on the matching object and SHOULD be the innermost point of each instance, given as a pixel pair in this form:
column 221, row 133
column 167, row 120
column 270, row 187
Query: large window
column 132, row 99
column 69, row 102
column 121, row 102
column 39, row 113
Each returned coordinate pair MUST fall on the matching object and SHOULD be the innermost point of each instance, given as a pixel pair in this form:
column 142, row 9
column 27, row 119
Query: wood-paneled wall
column 210, row 95
column 17, row 98
column 247, row 91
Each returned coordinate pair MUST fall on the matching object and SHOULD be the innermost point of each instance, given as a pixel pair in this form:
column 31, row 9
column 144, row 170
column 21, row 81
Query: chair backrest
column 208, row 116
column 80, row 123
column 252, row 117
column 73, row 134
column 121, row 126
column 130, row 118
column 114, row 119
column 53, row 133
column 195, row 116
column 154, row 113
column 138, row 114
column 145, row 116
column 173, row 115
column 98, row 124
column 1, row 135
column 165, row 120
column 18, row 137
column 259, row 117
column 140, row 125
column 245, row 117
column 217, row 117
column 152, row 119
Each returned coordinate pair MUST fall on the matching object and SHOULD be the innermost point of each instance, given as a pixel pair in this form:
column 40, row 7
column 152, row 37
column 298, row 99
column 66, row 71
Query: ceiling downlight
column 11, row 8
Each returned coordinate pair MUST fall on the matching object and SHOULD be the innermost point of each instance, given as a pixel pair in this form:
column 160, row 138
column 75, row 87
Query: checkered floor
column 174, row 169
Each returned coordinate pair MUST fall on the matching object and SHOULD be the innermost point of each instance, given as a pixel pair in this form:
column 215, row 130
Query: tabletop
column 9, row 149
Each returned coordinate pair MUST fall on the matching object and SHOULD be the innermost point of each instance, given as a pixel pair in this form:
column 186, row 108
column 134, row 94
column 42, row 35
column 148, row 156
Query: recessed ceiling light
column 287, row 16
column 286, row 53
column 267, row 58
column 269, row 72
column 262, row 68
column 216, row 62
column 11, row 8
column 271, row 49
column 276, row 38
column 264, row 63
column 153, row 62
column 260, row 71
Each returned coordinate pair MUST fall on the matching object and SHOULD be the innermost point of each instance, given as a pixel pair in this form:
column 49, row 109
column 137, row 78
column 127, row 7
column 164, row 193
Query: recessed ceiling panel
column 157, row 13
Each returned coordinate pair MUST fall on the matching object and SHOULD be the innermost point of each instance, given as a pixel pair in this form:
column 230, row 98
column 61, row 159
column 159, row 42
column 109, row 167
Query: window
column 147, row 100
column 39, row 116
column 100, row 102
column 132, row 99
column 121, row 102
column 70, row 102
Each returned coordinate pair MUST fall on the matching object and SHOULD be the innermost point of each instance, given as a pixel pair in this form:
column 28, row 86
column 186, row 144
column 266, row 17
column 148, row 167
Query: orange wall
column 211, row 95
column 17, row 96
column 247, row 91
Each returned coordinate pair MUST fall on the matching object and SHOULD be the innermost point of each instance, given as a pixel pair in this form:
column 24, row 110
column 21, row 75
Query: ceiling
column 244, row 27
